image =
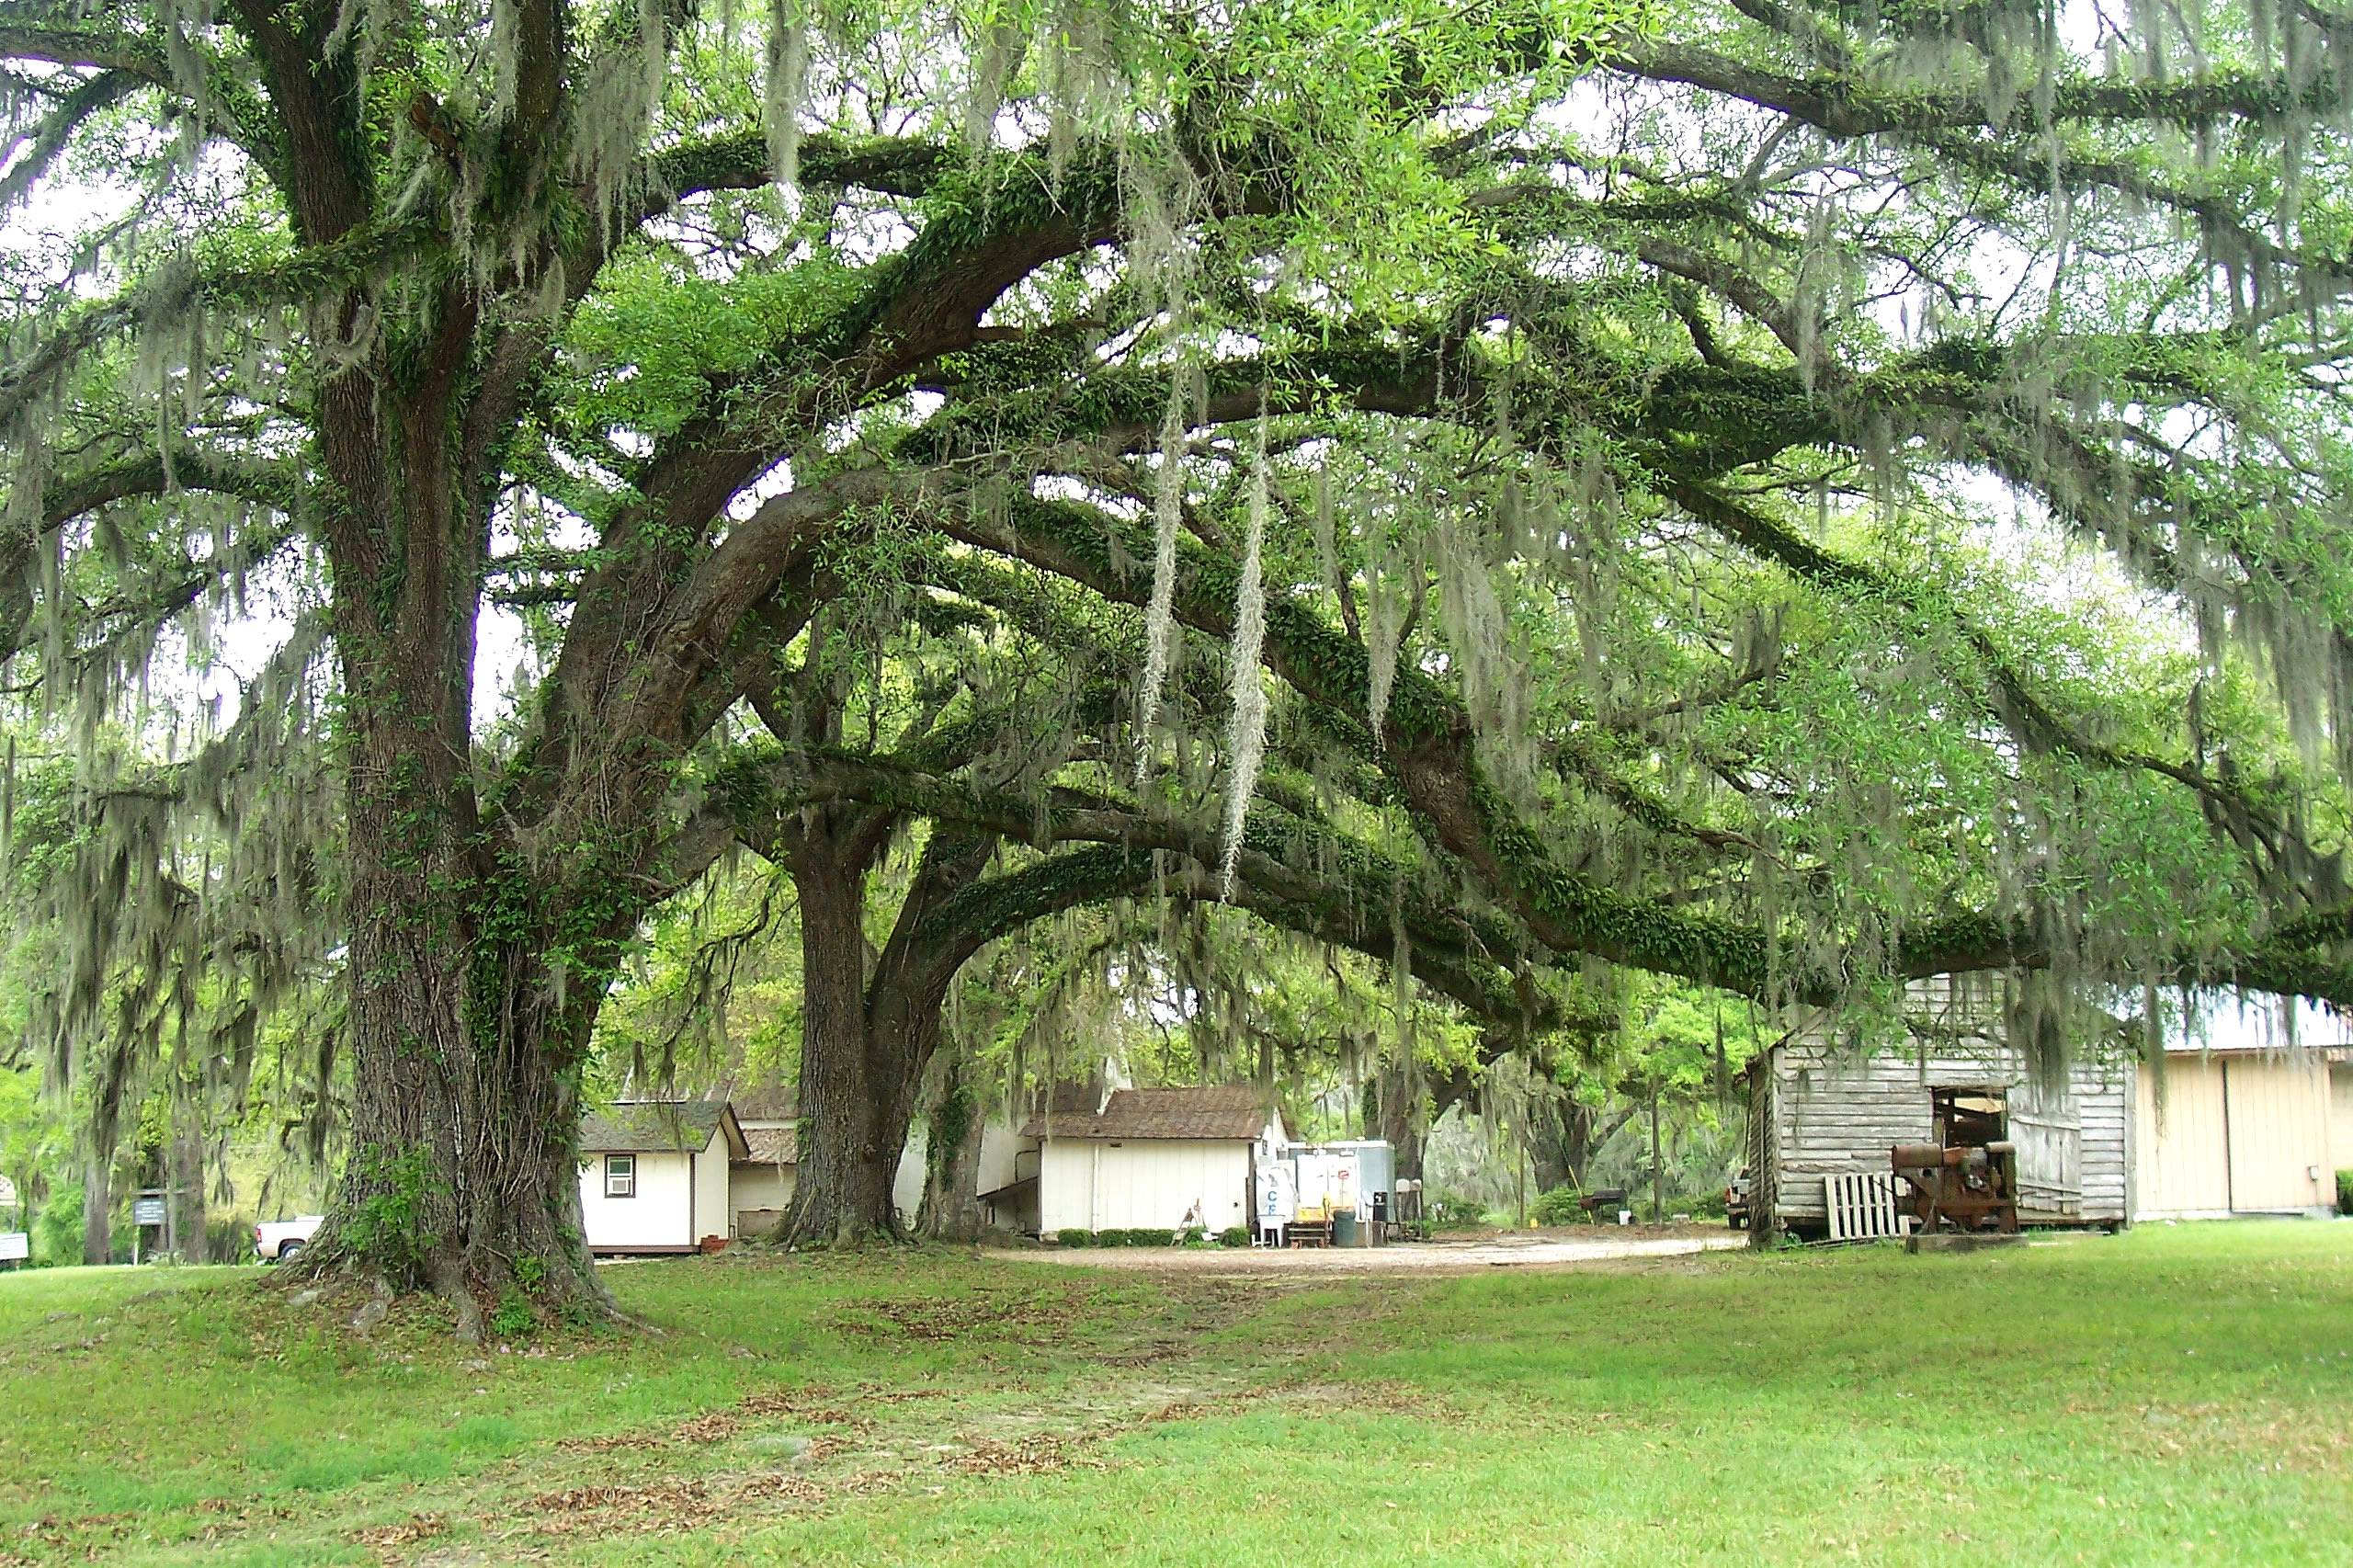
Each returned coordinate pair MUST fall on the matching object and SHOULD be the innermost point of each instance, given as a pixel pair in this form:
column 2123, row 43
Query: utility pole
column 1658, row 1176
column 1523, row 1178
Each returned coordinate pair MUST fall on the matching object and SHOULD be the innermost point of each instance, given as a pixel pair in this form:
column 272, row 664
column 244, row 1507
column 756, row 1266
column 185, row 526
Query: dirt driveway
column 1519, row 1249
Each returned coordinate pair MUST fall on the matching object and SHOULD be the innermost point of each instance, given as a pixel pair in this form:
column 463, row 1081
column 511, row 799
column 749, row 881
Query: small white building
column 1145, row 1160
column 655, row 1175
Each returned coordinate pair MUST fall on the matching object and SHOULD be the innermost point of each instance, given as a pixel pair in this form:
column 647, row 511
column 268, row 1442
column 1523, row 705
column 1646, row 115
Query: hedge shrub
column 1071, row 1236
column 1236, row 1236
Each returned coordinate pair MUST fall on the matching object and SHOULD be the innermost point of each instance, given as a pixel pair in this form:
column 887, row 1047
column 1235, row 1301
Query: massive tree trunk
column 465, row 1102
column 475, row 971
column 951, row 1189
column 97, row 1207
column 184, row 1180
column 868, row 1032
column 841, row 1194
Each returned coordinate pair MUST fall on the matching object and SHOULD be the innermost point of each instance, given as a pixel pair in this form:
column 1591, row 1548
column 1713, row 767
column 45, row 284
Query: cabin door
column 2047, row 1129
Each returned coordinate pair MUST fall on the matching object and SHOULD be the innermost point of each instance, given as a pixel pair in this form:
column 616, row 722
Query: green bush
column 1557, row 1207
column 1453, row 1213
column 2345, row 1192
column 514, row 1319
column 1071, row 1236
column 390, row 1225
column 1234, row 1236
column 1145, row 1237
column 56, row 1234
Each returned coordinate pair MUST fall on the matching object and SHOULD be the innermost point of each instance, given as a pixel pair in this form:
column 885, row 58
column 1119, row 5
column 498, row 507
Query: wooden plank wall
column 1834, row 1111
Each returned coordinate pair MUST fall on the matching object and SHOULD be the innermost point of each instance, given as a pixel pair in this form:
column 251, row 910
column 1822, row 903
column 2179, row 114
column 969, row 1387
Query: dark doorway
column 1971, row 1117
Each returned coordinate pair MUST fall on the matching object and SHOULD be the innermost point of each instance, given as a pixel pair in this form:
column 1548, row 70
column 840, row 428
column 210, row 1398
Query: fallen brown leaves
column 1041, row 1453
column 610, row 1445
column 420, row 1527
column 707, row 1428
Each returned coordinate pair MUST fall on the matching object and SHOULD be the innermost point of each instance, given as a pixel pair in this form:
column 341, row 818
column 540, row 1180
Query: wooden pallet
column 1862, row 1206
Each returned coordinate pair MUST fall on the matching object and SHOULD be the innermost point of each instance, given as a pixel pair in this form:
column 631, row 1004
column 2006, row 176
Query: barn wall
column 2340, row 1118
column 2185, row 1170
column 657, row 1217
column 1832, row 1112
column 2278, row 1128
column 2239, row 1132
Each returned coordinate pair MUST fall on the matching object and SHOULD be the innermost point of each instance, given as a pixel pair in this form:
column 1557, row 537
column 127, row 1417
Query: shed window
column 1971, row 1117
column 620, row 1176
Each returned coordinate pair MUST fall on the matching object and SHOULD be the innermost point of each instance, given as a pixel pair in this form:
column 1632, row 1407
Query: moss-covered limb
column 1427, row 748
column 1101, row 872
column 1845, row 106
column 72, row 495
column 1581, row 762
column 352, row 258
column 893, row 166
column 1284, row 856
column 86, row 99
column 2013, row 701
column 2031, row 170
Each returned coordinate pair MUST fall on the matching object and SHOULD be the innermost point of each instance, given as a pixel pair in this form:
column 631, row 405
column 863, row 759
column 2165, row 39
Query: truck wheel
column 286, row 1251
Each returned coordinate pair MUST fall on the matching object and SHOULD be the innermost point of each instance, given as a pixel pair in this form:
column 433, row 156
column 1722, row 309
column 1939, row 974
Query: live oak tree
column 1557, row 439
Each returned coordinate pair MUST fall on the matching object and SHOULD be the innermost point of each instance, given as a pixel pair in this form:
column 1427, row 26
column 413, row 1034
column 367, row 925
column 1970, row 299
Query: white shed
column 1148, row 1158
column 654, row 1174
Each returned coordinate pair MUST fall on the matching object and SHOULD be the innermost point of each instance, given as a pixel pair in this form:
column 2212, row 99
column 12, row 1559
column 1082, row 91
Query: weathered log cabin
column 1821, row 1106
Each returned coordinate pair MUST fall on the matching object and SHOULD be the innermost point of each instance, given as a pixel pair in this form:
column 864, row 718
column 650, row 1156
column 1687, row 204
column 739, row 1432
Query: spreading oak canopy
column 1797, row 497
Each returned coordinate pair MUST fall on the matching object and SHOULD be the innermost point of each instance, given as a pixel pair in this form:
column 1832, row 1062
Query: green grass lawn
column 2173, row 1395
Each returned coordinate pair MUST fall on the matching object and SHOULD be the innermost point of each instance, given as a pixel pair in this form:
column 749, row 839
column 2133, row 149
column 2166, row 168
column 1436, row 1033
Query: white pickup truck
column 279, row 1240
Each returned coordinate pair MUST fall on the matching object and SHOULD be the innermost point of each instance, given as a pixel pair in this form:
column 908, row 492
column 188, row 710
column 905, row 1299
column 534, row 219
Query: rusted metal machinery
column 1968, row 1186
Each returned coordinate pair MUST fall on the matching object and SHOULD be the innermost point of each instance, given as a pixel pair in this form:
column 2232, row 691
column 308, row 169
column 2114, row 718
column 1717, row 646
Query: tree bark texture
column 867, row 1030
column 184, row 1180
column 98, row 1208
column 849, row 1080
column 951, row 1189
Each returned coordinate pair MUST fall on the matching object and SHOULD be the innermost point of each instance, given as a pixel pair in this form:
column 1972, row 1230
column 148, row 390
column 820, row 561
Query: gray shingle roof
column 772, row 1145
column 1234, row 1112
column 647, row 1126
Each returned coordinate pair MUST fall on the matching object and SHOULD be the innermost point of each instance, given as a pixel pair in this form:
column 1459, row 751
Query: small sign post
column 16, row 1246
column 147, row 1209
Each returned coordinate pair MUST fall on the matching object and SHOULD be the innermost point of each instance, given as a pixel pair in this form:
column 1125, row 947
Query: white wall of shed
column 1000, row 1143
column 906, row 1183
column 660, row 1215
column 714, row 1214
column 758, row 1184
column 1142, row 1182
